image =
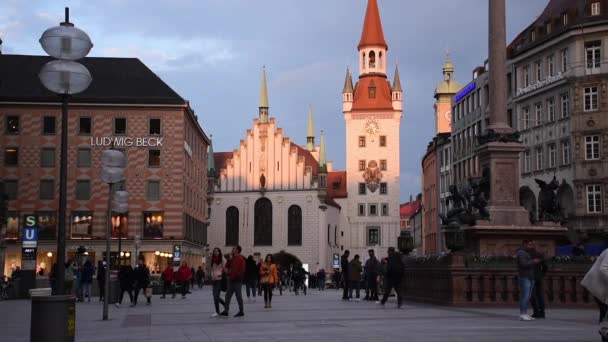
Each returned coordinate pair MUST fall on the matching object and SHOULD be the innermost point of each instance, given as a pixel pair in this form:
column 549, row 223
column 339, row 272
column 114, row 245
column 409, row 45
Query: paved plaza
column 319, row 316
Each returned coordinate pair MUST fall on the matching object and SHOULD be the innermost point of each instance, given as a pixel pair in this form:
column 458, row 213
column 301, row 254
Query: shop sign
column 127, row 141
column 30, row 231
column 336, row 260
column 28, row 258
column 540, row 84
column 188, row 149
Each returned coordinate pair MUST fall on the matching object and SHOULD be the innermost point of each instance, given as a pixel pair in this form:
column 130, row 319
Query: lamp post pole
column 108, row 259
column 63, row 185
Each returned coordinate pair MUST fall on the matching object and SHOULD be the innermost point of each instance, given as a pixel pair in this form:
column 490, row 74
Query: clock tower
column 443, row 95
column 372, row 113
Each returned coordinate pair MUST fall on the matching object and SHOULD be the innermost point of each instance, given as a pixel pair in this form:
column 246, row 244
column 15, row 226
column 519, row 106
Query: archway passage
column 527, row 199
column 284, row 260
column 262, row 231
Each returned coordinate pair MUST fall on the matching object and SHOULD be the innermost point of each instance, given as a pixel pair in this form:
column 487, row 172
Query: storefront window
column 12, row 226
column 82, row 225
column 47, row 225
column 153, row 225
column 120, row 226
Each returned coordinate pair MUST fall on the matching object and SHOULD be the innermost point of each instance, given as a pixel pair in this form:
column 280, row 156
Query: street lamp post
column 65, row 78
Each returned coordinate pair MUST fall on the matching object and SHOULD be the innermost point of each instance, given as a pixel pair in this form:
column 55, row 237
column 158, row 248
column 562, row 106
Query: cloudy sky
column 212, row 51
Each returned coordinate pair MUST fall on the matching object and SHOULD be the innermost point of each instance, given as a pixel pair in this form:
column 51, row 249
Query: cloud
column 303, row 73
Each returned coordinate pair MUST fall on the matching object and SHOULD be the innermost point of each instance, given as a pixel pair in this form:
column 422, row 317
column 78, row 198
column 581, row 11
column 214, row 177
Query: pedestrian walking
column 125, row 280
column 321, row 276
column 218, row 279
column 141, row 277
column 525, row 269
column 595, row 282
column 168, row 277
column 200, row 277
column 251, row 278
column 354, row 277
column 394, row 273
column 235, row 268
column 538, row 291
column 183, row 276
column 372, row 268
column 269, row 277
column 101, row 279
column 86, row 281
column 68, row 277
column 345, row 273
column 192, row 279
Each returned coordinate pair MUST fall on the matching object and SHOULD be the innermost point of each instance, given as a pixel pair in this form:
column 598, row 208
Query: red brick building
column 131, row 107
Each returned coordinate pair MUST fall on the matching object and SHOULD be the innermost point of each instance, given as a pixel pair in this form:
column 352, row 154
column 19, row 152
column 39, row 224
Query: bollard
column 53, row 319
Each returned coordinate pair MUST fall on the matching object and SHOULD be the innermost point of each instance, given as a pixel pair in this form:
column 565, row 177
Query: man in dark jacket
column 394, row 273
column 125, row 279
column 345, row 273
column 236, row 274
column 141, row 277
column 525, row 269
column 538, row 291
column 101, row 278
column 251, row 278
column 372, row 267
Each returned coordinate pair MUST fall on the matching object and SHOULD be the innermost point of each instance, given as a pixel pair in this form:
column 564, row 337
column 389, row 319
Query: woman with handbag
column 596, row 282
column 269, row 277
column 217, row 278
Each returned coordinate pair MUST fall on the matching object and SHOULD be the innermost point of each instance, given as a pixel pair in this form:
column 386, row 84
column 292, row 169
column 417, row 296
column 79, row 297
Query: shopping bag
column 148, row 292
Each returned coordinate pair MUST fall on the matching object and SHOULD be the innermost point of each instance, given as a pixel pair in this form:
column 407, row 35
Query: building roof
column 221, row 160
column 336, row 187
column 407, row 210
column 372, row 34
column 115, row 80
column 309, row 159
column 383, row 99
column 449, row 85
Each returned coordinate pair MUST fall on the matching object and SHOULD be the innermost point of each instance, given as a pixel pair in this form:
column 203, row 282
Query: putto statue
column 549, row 209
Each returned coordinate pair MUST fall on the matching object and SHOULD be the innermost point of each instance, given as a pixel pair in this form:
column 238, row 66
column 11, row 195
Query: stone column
column 499, row 120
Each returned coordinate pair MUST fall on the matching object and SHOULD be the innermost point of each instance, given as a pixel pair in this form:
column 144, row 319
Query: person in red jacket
column 183, row 277
column 167, row 277
column 235, row 268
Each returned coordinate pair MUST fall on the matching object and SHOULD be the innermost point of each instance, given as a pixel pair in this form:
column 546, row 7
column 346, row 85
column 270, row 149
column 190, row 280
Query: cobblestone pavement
column 319, row 316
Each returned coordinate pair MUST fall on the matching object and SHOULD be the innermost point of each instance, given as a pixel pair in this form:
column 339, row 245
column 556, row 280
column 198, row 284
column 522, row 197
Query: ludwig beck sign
column 127, row 141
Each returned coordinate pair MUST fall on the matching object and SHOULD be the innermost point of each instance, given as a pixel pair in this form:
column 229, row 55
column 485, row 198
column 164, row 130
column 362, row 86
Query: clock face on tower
column 372, row 127
column 448, row 115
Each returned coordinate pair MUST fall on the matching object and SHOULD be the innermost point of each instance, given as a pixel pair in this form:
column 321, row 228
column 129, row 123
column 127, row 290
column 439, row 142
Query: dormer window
column 595, row 8
column 371, row 90
column 372, row 59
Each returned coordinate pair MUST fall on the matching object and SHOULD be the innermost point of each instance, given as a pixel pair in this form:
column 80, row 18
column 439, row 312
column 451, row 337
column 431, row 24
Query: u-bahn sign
column 30, row 231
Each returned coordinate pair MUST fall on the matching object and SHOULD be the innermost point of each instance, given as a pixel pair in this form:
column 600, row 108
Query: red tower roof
column 372, row 27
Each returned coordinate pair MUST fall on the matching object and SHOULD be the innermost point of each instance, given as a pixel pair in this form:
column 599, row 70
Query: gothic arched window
column 262, row 230
column 364, row 62
column 381, row 59
column 232, row 226
column 294, row 226
column 372, row 59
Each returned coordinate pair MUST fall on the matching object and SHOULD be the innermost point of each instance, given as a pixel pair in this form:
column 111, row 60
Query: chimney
column 411, row 198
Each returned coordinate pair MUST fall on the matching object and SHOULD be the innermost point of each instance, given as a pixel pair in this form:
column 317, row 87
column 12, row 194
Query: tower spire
column 310, row 137
column 210, row 158
column 372, row 27
column 348, row 82
column 263, row 112
column 397, row 80
column 322, row 158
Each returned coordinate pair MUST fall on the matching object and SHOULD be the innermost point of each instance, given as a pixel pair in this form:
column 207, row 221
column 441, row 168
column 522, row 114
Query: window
column 48, row 125
column 525, row 117
column 549, row 28
column 361, row 141
column 564, row 60
column 47, row 189
column 527, row 161
column 565, row 152
column 594, row 198
column 47, row 157
column 154, row 128
column 592, row 147
column 593, row 55
column 373, row 210
column 361, row 209
column 383, row 141
column 539, row 71
column 539, row 158
column 362, row 189
column 533, row 36
column 83, row 159
column 550, row 109
column 362, row 165
column 83, row 189
column 262, row 230
column 153, row 158
column 329, row 234
column 595, row 8
column 550, row 66
column 11, row 188
column 564, row 19
column 538, row 114
column 382, row 164
column 81, row 225
column 591, row 99
column 85, row 125
column 372, row 59
column 373, row 236
column 565, row 105
column 11, row 156
column 294, row 226
column 552, row 155
column 232, row 226
column 384, row 210
column 153, row 190
column 12, row 124
column 47, row 225
column 154, row 225
column 371, row 91
column 383, row 188
column 120, row 126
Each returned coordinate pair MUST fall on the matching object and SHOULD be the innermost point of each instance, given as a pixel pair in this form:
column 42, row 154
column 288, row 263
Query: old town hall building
column 271, row 194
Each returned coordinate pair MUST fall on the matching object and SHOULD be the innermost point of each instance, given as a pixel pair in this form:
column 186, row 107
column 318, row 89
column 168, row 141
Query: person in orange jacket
column 235, row 268
column 269, row 277
column 183, row 276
